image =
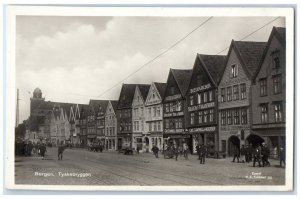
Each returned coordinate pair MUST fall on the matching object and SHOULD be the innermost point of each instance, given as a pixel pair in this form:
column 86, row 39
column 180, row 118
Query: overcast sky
column 75, row 59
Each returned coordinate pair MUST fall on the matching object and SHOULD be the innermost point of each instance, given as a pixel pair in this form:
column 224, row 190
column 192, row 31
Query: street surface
column 82, row 167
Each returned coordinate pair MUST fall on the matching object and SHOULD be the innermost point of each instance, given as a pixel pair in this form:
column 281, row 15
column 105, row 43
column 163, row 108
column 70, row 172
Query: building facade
column 234, row 95
column 269, row 93
column 202, row 101
column 111, row 125
column 154, row 114
column 84, row 112
column 139, row 133
column 175, row 110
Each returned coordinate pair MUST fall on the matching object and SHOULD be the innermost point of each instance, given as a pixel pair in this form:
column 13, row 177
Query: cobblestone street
column 111, row 168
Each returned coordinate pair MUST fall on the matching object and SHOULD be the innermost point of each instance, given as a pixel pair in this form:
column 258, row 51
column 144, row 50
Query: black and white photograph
column 155, row 99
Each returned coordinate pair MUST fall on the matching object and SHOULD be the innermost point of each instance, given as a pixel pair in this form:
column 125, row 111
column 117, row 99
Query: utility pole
column 17, row 109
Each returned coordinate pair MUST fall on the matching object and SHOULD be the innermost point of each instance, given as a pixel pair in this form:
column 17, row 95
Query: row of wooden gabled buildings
column 224, row 101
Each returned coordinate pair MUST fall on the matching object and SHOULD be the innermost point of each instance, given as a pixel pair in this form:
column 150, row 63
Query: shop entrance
column 254, row 140
column 233, row 142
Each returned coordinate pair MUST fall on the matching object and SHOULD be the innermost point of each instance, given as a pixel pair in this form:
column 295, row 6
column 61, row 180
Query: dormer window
column 234, row 71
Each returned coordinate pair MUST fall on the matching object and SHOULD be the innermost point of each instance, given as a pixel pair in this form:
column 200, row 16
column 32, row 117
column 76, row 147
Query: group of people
column 257, row 155
column 28, row 148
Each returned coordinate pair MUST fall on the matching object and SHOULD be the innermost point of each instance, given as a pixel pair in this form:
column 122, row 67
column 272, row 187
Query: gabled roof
column 126, row 95
column 114, row 104
column 214, row 65
column 161, row 87
column 250, row 54
column 182, row 77
column 94, row 104
column 144, row 89
column 278, row 32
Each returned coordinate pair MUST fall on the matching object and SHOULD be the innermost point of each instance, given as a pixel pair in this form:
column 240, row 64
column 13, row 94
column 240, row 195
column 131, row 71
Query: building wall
column 110, row 128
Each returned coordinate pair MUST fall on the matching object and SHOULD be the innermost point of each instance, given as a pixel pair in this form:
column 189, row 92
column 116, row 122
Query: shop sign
column 201, row 106
column 174, row 130
column 234, row 128
column 173, row 114
column 173, row 97
column 203, row 129
column 153, row 102
column 203, row 87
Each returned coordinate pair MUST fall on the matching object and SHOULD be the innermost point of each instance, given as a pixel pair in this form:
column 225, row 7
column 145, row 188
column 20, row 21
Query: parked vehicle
column 126, row 151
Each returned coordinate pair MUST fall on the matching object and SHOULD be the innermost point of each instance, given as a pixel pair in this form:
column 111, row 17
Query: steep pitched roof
column 251, row 53
column 144, row 89
column 182, row 77
column 126, row 95
column 281, row 31
column 114, row 104
column 161, row 87
column 96, row 103
column 215, row 65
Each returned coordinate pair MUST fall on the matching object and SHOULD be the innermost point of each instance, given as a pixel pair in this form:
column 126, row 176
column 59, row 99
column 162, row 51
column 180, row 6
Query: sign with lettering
column 203, row 87
column 174, row 114
column 173, row 97
column 234, row 128
column 201, row 106
column 203, row 129
column 174, row 130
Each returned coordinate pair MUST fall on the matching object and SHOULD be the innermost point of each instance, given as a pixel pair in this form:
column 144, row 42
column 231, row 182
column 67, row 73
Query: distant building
column 84, row 113
column 111, row 125
column 139, row 132
column 234, row 95
column 74, row 120
column 269, row 93
column 154, row 114
column 202, row 100
column 175, row 109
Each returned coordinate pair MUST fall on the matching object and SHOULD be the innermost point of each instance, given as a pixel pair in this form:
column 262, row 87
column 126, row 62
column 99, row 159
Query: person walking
column 236, row 154
column 243, row 154
column 257, row 156
column 175, row 151
column 265, row 152
column 43, row 150
column 282, row 156
column 185, row 150
column 155, row 150
column 202, row 151
column 198, row 150
column 60, row 152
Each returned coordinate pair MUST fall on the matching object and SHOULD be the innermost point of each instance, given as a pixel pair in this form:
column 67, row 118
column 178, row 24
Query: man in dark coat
column 257, row 156
column 43, row 150
column 155, row 150
column 203, row 151
column 236, row 153
column 265, row 152
column 175, row 151
column 60, row 152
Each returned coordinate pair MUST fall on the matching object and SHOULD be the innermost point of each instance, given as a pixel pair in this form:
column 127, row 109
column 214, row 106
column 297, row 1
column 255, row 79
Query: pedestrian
column 175, row 151
column 198, row 150
column 236, row 154
column 60, row 152
column 180, row 149
column 257, row 156
column 243, row 154
column 185, row 150
column 282, row 156
column 202, row 151
column 265, row 152
column 138, row 150
column 155, row 150
column 43, row 150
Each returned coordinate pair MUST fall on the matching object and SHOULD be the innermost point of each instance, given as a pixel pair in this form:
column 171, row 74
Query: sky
column 75, row 59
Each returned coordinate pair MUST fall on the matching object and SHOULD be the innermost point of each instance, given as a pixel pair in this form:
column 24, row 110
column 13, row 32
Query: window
column 234, row 71
column 179, row 123
column 199, row 80
column 167, row 108
column 229, row 117
column 244, row 115
column 172, row 90
column 200, row 118
column 154, row 126
column 159, row 126
column 243, row 91
column 235, row 92
column 154, row 111
column 276, row 63
column 204, row 97
column 176, row 123
column 149, row 111
column 223, row 99
column 277, row 84
column 236, row 116
column 191, row 100
column 199, row 98
column 278, row 112
column 263, row 86
column 179, row 106
column 223, row 117
column 210, row 96
column 205, row 116
column 211, row 115
column 158, row 111
column 264, row 113
column 167, row 123
column 171, row 107
column 229, row 93
column 192, row 118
